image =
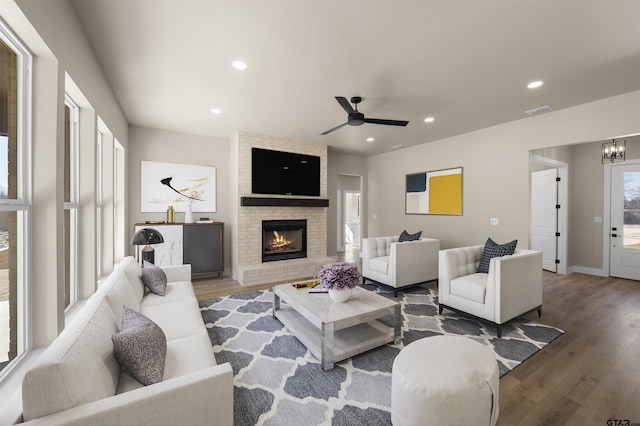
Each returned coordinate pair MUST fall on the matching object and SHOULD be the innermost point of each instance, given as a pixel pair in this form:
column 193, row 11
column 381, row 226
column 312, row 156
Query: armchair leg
column 499, row 331
column 395, row 293
column 539, row 311
column 440, row 309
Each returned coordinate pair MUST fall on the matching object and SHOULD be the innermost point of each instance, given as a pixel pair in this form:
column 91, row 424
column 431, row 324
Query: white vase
column 188, row 214
column 340, row 296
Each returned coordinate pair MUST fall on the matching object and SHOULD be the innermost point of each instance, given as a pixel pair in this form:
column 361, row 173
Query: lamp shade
column 147, row 236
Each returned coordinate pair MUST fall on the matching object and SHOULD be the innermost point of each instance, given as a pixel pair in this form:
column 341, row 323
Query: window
column 110, row 200
column 71, row 143
column 119, row 232
column 15, row 103
column 99, row 205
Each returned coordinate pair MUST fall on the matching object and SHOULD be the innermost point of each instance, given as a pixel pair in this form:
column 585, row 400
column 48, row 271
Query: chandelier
column 613, row 151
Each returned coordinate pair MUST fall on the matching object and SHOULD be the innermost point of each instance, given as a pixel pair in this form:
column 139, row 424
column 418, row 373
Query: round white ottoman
column 445, row 380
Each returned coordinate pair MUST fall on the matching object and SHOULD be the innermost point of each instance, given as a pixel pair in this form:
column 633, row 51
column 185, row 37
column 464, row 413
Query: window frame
column 23, row 202
column 73, row 204
column 98, row 174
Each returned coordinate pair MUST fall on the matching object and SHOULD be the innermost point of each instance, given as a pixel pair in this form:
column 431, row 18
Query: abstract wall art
column 161, row 186
column 435, row 192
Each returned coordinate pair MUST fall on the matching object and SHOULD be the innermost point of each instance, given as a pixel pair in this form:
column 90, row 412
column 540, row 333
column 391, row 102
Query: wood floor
column 588, row 376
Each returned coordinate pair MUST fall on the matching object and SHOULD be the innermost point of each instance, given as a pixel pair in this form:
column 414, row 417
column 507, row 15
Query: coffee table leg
column 276, row 303
column 326, row 346
column 397, row 335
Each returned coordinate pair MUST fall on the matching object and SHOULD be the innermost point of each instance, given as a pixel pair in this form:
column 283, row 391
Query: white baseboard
column 586, row 270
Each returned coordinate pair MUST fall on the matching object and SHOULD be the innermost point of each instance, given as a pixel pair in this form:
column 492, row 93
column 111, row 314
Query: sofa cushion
column 196, row 349
column 380, row 264
column 177, row 320
column 121, row 294
column 492, row 249
column 133, row 271
column 471, row 287
column 154, row 278
column 175, row 292
column 78, row 367
column 405, row 236
column 140, row 347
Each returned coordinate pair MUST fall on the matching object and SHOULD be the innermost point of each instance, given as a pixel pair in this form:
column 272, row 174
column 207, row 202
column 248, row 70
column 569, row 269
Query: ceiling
column 465, row 63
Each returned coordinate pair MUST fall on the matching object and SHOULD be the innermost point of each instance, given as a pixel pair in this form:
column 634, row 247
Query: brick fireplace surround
column 248, row 267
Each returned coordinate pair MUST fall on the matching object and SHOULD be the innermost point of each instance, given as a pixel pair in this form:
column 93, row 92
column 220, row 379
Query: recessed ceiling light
column 429, row 120
column 398, row 146
column 370, row 139
column 239, row 65
column 535, row 84
column 216, row 111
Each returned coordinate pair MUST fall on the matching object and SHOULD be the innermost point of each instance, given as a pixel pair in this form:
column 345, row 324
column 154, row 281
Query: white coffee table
column 336, row 331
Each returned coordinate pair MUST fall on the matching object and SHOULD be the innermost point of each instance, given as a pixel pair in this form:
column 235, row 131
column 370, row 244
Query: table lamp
column 147, row 237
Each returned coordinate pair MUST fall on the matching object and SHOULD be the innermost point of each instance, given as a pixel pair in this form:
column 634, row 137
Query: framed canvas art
column 435, row 192
column 178, row 185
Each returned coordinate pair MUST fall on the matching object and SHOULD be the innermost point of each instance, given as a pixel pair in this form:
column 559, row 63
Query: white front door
column 624, row 231
column 544, row 222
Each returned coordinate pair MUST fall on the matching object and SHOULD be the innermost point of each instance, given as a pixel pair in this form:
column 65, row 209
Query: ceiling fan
column 356, row 118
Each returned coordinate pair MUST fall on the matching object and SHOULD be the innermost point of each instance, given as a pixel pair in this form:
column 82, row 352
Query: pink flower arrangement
column 339, row 275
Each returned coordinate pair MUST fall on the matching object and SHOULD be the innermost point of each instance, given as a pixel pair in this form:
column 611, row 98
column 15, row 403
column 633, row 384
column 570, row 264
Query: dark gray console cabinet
column 199, row 244
column 203, row 248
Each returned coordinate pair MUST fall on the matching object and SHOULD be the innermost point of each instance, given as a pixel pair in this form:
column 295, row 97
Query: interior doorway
column 349, row 212
column 549, row 207
column 352, row 218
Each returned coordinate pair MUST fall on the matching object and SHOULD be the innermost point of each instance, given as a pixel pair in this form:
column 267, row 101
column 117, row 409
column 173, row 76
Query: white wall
column 496, row 178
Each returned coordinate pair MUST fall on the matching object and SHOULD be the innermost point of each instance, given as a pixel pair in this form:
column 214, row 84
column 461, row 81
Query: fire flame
column 279, row 241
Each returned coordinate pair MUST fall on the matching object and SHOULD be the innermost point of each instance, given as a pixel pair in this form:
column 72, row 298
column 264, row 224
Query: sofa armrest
column 454, row 263
column 201, row 397
column 414, row 261
column 178, row 272
column 517, row 280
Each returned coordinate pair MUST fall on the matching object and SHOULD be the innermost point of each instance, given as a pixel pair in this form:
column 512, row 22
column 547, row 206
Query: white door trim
column 606, row 220
column 563, row 200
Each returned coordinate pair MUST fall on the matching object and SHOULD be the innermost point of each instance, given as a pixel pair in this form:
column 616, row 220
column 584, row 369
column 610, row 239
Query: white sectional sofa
column 400, row 264
column 78, row 380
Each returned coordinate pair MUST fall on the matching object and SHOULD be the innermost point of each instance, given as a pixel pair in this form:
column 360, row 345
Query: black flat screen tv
column 284, row 173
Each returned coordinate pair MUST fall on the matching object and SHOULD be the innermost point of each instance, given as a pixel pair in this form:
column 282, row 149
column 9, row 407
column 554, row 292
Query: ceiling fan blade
column 335, row 128
column 387, row 122
column 344, row 103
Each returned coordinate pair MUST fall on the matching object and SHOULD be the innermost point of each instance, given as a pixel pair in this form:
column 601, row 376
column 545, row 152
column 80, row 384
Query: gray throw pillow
column 140, row 347
column 154, row 278
column 492, row 249
column 405, row 236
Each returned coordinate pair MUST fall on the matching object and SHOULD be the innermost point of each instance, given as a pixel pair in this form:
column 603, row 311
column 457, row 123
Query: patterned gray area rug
column 277, row 381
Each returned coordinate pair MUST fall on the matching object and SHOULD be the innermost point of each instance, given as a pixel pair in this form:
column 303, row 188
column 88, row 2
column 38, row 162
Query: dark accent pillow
column 140, row 347
column 492, row 249
column 405, row 236
column 154, row 278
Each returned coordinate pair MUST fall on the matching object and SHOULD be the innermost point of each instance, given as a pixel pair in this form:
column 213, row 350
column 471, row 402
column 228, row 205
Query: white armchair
column 399, row 264
column 512, row 287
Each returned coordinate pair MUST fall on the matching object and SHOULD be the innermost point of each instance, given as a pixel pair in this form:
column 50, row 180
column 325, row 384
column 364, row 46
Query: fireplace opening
column 284, row 239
